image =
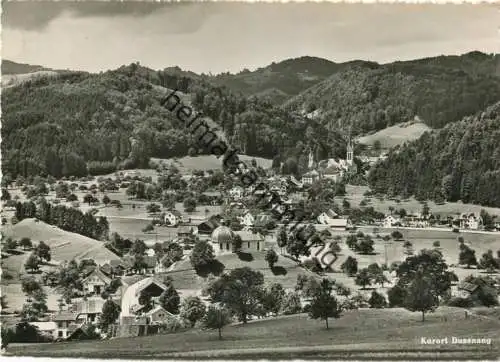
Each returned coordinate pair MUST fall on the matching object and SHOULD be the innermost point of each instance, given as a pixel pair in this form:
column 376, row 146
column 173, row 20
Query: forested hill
column 280, row 81
column 77, row 122
column 10, row 67
column 439, row 90
column 459, row 162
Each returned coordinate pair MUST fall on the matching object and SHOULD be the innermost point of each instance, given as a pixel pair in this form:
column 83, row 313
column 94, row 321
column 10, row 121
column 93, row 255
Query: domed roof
column 222, row 234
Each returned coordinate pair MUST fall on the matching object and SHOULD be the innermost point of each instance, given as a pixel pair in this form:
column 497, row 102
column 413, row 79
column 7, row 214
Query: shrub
column 460, row 302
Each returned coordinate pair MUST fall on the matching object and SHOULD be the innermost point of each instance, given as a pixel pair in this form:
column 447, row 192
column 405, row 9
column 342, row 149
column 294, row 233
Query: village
column 136, row 282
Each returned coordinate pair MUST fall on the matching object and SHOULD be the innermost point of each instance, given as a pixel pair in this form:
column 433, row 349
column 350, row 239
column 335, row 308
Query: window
column 258, row 245
column 227, row 246
column 220, row 246
column 59, row 324
column 60, row 333
column 248, row 245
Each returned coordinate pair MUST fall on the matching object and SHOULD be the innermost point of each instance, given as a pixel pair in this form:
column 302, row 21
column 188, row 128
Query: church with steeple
column 331, row 168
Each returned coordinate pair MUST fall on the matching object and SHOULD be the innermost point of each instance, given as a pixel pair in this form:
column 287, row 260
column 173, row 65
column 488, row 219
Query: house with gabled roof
column 173, row 218
column 327, row 216
column 95, row 282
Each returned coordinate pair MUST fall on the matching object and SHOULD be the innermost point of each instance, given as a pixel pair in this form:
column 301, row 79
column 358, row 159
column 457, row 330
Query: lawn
column 354, row 194
column 363, row 331
column 209, row 162
column 285, row 271
column 396, row 135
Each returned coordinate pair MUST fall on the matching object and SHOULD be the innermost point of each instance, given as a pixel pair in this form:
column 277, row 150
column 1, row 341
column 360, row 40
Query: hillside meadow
column 382, row 331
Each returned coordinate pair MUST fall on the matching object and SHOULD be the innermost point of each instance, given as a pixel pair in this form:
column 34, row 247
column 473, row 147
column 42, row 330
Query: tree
column 170, row 299
column 396, row 296
column 240, row 291
column 10, row 244
column 89, row 199
column 30, row 285
column 32, row 263
column 202, row 255
column 324, row 305
column 467, row 256
column 146, row 299
column 110, row 313
column 350, row 266
column 193, row 309
column 189, row 204
column 43, row 251
column 397, row 235
column 408, row 248
column 148, row 228
column 282, row 238
column 365, row 246
column 487, row 219
column 106, row 200
column 291, row 303
column 25, row 243
column 153, row 208
column 138, row 248
column 271, row 258
column 421, row 295
column 436, row 244
column 363, row 278
column 237, row 243
column 488, row 262
column 216, row 318
column 273, row 298
column 377, row 300
column 351, row 241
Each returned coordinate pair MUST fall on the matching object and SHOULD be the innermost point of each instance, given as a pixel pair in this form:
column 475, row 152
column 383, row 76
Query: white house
column 341, row 223
column 310, row 177
column 64, row 321
column 237, row 192
column 470, row 221
column 390, row 221
column 326, row 217
column 173, row 218
column 247, row 219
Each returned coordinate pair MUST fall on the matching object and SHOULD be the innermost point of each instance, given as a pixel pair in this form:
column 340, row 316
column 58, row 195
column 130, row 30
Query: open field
column 354, row 194
column 396, row 135
column 209, row 162
column 384, row 333
column 285, row 271
column 64, row 245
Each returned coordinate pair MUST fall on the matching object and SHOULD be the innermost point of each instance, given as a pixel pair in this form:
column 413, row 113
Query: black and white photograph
column 250, row 180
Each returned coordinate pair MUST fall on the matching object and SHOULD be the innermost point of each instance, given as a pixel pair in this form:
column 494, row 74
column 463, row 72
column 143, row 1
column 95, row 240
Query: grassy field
column 285, row 271
column 354, row 194
column 382, row 333
column 64, row 245
column 209, row 162
column 396, row 135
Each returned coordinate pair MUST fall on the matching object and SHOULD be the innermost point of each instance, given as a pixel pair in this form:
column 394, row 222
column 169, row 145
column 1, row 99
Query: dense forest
column 280, row 81
column 439, row 90
column 459, row 162
column 79, row 122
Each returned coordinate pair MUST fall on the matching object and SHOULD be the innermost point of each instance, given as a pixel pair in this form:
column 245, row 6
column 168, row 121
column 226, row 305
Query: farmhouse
column 65, row 322
column 310, row 177
column 187, row 231
column 208, row 227
column 470, row 221
column 95, row 282
column 158, row 315
column 247, row 219
column 327, row 216
column 237, row 192
column 89, row 310
column 465, row 290
column 250, row 241
column 130, row 299
column 391, row 221
column 173, row 218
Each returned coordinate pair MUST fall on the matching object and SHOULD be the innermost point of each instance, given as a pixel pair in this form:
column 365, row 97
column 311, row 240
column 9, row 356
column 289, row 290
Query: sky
column 221, row 37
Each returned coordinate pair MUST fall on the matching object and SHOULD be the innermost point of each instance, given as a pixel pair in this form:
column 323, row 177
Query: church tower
column 350, row 153
column 310, row 162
